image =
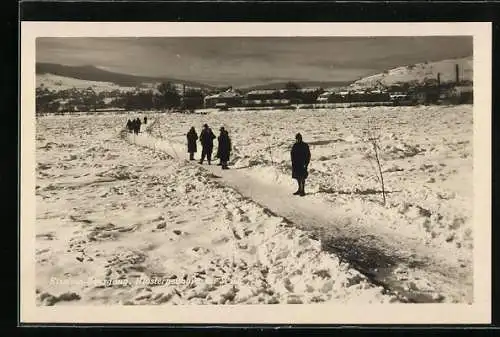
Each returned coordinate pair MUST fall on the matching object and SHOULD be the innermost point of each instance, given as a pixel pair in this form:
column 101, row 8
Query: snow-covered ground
column 109, row 210
column 123, row 224
column 426, row 157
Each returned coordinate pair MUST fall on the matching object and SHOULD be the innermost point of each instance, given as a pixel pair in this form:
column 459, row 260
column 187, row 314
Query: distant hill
column 419, row 73
column 63, row 76
column 58, row 83
column 91, row 73
column 302, row 84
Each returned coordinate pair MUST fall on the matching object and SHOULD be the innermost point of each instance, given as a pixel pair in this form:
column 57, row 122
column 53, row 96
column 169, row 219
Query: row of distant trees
column 70, row 100
column 165, row 97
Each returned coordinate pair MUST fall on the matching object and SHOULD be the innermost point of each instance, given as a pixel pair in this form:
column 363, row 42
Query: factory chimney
column 457, row 77
column 439, row 80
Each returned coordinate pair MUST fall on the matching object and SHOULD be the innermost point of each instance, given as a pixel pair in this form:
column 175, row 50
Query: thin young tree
column 374, row 140
column 270, row 149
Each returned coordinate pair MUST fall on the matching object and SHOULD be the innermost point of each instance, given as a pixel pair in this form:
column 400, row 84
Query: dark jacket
column 192, row 137
column 300, row 160
column 137, row 125
column 224, row 147
column 206, row 138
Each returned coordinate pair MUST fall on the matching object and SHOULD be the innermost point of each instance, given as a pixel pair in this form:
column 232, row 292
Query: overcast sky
column 249, row 61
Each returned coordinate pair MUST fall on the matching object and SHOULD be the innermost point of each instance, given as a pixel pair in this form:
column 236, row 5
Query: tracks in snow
column 400, row 264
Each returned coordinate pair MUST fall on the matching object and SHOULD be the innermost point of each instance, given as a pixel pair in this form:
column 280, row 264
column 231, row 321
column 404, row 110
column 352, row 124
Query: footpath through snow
column 388, row 258
column 124, row 224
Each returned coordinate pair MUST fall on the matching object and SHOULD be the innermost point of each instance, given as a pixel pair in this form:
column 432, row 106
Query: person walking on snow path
column 224, row 148
column 137, row 125
column 206, row 139
column 301, row 156
column 192, row 137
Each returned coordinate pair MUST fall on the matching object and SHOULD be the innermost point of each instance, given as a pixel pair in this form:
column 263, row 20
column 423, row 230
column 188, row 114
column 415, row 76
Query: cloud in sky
column 251, row 60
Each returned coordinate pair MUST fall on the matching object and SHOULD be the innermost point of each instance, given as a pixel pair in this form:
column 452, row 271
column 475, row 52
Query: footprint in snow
column 46, row 236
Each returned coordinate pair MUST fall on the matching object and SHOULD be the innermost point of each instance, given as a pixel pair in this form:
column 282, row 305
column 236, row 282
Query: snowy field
column 129, row 224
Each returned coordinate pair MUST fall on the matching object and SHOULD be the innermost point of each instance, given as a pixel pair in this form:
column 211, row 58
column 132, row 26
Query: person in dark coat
column 301, row 156
column 145, row 120
column 192, row 137
column 217, row 155
column 129, row 125
column 137, row 126
column 224, row 148
column 133, row 125
column 206, row 139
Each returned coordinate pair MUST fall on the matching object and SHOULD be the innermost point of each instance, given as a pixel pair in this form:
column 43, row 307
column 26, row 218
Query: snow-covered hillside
column 419, row 73
column 58, row 83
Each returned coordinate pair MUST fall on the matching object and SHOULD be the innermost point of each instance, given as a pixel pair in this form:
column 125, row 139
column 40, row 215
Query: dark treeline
column 69, row 100
column 164, row 97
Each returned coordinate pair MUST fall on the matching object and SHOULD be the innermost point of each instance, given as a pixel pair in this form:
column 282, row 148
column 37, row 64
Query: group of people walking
column 300, row 153
column 206, row 138
column 135, row 125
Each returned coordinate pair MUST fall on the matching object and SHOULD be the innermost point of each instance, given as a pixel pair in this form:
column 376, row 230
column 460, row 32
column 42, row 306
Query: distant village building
column 227, row 98
column 269, row 97
column 360, row 96
column 461, row 94
column 309, row 95
column 325, row 97
column 400, row 98
column 425, row 95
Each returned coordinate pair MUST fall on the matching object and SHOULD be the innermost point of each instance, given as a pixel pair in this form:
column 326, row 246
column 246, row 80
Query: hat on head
column 298, row 136
column 222, row 128
column 205, row 125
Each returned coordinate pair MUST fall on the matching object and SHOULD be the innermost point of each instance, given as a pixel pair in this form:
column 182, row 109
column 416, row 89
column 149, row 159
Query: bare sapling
column 151, row 126
column 270, row 148
column 374, row 140
column 159, row 129
column 156, row 125
column 71, row 127
column 149, row 130
column 171, row 146
column 167, row 138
